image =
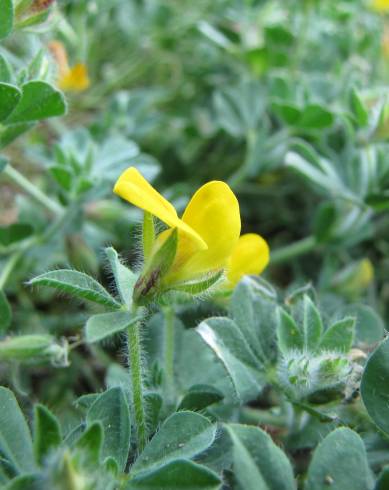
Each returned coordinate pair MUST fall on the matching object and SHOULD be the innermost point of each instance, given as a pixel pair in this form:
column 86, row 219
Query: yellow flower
column 70, row 79
column 250, row 256
column 75, row 79
column 207, row 232
column 355, row 278
column 380, row 5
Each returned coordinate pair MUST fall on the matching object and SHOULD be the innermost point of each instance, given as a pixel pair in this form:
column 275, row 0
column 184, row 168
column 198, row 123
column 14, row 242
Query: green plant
column 171, row 364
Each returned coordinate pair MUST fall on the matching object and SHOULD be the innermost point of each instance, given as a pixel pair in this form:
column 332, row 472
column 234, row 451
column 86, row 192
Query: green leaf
column 199, row 287
column 15, row 437
column 33, row 20
column 153, row 402
column 253, row 309
column 177, row 475
column 360, row 112
column 182, row 435
column 258, row 463
column 374, row 386
column 99, row 327
column 9, row 98
column 383, row 480
column 86, row 401
column 5, row 70
column 39, row 100
column 369, row 328
column 289, row 113
column 111, row 409
column 5, row 313
column 239, row 108
column 339, row 336
column 91, row 442
column 62, row 176
column 379, row 201
column 77, row 284
column 288, row 333
column 26, row 482
column 47, row 432
column 318, row 172
column 339, row 462
column 312, row 325
column 315, row 116
column 230, row 347
column 244, row 315
column 199, row 397
column 6, row 18
column 125, row 279
column 14, row 233
column 325, row 220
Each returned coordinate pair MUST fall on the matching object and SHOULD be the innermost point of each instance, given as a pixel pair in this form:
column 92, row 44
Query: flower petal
column 380, row 5
column 134, row 188
column 250, row 256
column 75, row 79
column 213, row 213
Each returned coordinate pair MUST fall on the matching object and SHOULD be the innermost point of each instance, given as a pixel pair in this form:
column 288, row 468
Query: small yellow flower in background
column 250, row 256
column 385, row 42
column 355, row 278
column 208, row 232
column 70, row 79
column 380, row 5
column 364, row 274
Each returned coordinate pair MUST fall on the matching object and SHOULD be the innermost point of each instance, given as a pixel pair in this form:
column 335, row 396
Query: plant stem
column 241, row 173
column 31, row 189
column 169, row 348
column 135, row 363
column 9, row 267
column 296, row 249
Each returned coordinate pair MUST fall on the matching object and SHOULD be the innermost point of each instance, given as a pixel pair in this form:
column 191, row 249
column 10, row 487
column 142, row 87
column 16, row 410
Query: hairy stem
column 9, row 267
column 169, row 348
column 31, row 189
column 135, row 363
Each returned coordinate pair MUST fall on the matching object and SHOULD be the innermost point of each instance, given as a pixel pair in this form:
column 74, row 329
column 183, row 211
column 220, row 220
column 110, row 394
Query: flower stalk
column 169, row 340
column 31, row 189
column 135, row 365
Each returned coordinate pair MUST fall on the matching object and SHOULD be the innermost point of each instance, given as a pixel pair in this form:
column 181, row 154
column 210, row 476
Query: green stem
column 241, row 173
column 169, row 347
column 31, row 189
column 256, row 416
column 294, row 250
column 9, row 267
column 135, row 362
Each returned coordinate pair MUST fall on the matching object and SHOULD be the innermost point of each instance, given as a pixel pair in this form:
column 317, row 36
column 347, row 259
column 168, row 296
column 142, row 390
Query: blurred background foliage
column 284, row 100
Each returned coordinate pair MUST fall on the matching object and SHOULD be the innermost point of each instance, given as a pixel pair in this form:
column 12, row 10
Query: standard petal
column 134, row 188
column 250, row 256
column 213, row 213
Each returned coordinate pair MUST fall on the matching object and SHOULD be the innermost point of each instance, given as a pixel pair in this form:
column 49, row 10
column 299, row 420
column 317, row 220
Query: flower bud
column 161, row 259
column 303, row 374
column 354, row 279
column 26, row 348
